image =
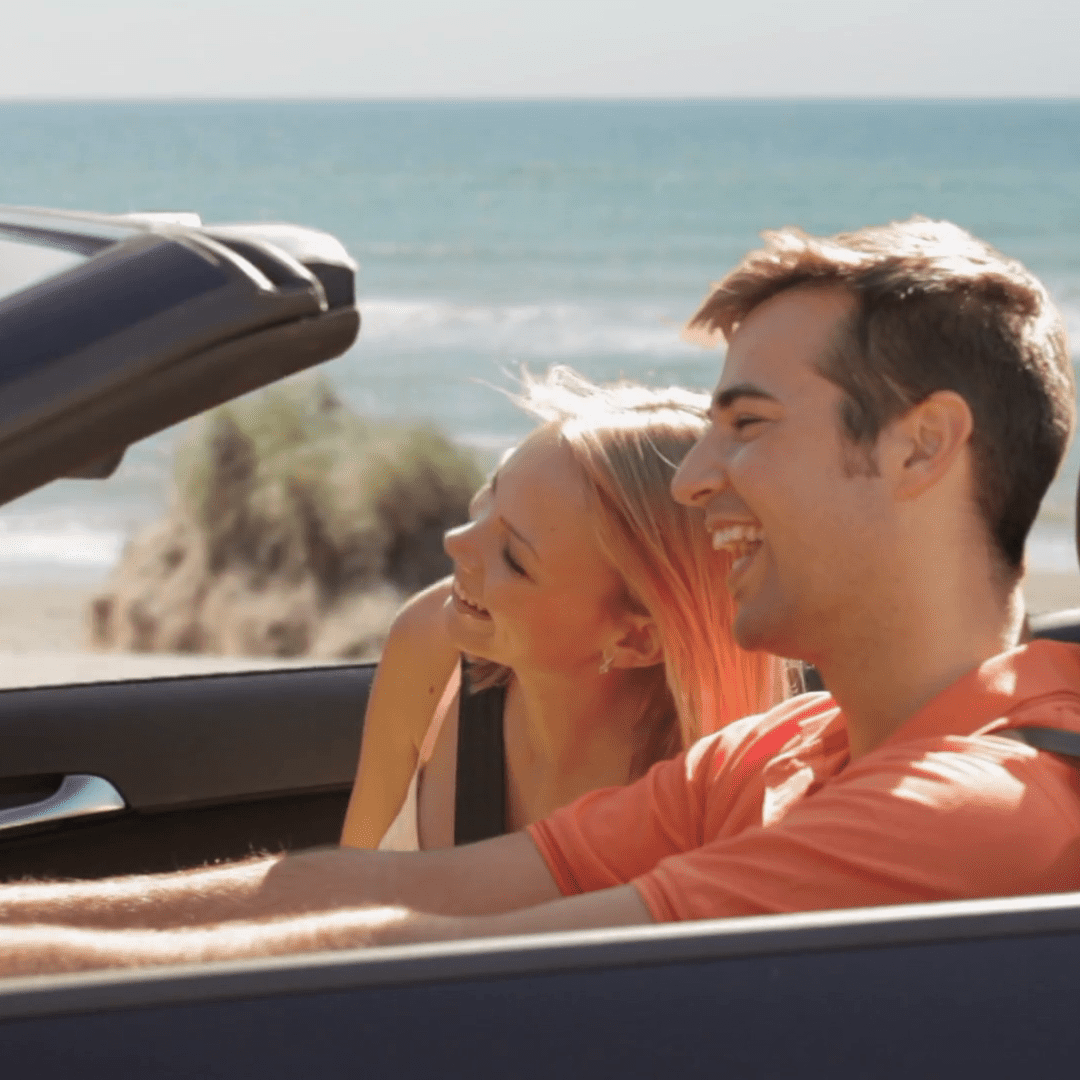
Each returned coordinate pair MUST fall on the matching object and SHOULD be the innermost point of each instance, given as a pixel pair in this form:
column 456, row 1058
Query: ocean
column 495, row 234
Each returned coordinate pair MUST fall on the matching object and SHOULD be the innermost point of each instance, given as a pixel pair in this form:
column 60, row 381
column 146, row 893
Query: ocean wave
column 74, row 546
column 546, row 329
column 554, row 329
column 488, row 443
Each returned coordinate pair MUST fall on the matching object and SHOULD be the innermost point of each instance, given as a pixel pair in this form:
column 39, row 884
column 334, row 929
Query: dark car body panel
column 986, row 989
column 210, row 767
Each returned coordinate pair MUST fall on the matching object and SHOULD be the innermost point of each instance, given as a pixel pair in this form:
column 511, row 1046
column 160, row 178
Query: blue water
column 491, row 234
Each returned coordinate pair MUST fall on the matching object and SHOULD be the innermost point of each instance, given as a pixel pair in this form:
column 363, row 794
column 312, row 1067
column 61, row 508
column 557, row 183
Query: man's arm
column 47, row 949
column 34, row 950
column 620, row 906
column 503, row 874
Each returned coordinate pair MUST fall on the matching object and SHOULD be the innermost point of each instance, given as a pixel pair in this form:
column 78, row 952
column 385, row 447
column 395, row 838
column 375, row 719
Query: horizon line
column 597, row 99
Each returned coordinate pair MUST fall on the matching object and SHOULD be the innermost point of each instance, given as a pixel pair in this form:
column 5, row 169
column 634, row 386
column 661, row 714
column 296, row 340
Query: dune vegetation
column 295, row 528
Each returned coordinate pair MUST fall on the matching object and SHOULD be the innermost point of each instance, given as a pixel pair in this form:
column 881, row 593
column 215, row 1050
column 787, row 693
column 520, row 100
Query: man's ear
column 927, row 440
column 637, row 642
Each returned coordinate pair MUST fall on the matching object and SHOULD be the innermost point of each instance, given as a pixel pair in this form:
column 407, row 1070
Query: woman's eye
column 513, row 563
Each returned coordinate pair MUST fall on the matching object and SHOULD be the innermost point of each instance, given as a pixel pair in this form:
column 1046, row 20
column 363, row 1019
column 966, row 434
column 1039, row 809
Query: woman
column 594, row 617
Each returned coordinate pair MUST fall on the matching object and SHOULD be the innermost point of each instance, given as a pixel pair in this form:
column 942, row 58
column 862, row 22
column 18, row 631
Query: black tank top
column 480, row 785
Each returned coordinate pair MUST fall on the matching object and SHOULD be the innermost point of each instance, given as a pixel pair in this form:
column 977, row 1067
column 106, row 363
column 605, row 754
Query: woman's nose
column 459, row 543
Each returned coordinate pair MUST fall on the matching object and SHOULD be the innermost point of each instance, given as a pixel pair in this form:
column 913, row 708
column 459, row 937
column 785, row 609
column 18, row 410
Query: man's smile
column 741, row 542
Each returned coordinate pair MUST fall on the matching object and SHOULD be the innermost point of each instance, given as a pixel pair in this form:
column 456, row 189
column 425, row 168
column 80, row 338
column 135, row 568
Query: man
column 893, row 405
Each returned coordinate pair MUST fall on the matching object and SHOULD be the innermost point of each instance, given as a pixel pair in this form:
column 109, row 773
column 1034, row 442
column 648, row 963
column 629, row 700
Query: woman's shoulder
column 420, row 623
column 418, row 656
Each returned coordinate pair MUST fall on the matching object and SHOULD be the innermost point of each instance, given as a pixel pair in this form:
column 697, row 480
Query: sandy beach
column 43, row 637
column 43, row 643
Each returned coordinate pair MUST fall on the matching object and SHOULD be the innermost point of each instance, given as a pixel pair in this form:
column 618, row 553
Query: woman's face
column 531, row 589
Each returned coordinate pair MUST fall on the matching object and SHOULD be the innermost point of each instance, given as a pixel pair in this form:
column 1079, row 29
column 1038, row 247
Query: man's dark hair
column 936, row 309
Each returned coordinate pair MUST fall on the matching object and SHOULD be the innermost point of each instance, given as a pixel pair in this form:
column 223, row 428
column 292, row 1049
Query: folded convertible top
column 113, row 327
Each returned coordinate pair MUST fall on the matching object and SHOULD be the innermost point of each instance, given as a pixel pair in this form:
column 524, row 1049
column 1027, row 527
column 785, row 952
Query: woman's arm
column 416, row 663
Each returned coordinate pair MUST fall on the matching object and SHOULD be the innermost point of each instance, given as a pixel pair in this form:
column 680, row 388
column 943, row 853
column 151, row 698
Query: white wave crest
column 74, row 546
column 555, row 329
column 548, row 329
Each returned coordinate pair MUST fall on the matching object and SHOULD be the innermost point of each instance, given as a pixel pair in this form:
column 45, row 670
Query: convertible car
column 112, row 328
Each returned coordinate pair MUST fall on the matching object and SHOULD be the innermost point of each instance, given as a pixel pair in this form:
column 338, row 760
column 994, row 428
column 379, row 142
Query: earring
column 605, row 664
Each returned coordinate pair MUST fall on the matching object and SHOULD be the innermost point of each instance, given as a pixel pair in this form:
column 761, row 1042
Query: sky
column 422, row 49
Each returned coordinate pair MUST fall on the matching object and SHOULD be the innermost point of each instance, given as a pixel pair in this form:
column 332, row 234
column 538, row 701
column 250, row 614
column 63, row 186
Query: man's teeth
column 737, row 535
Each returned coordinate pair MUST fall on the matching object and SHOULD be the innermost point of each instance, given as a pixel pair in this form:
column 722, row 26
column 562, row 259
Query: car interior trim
column 78, row 795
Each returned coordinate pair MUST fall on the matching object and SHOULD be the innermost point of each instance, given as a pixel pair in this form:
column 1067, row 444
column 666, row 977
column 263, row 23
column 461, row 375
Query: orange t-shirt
column 768, row 815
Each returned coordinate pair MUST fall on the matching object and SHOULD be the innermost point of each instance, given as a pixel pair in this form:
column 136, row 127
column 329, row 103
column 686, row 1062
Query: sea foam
column 30, row 548
column 554, row 329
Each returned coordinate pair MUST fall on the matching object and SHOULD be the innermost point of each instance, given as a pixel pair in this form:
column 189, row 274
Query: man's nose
column 700, row 476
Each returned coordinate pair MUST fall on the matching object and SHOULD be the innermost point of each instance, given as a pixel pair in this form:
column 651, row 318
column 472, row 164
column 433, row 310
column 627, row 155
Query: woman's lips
column 467, row 606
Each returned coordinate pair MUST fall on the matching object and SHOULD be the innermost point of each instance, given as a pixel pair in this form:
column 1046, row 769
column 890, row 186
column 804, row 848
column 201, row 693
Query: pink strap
column 427, row 747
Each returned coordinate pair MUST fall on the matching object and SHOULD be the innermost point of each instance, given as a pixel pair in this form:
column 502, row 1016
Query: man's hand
column 505, row 873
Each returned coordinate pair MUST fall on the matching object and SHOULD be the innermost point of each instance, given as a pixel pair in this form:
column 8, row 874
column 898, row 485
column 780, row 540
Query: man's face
column 805, row 534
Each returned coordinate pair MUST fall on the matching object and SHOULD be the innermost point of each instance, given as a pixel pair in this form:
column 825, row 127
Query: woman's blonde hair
column 628, row 440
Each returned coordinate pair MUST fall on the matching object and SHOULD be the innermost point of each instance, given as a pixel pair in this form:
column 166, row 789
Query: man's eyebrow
column 510, row 528
column 724, row 399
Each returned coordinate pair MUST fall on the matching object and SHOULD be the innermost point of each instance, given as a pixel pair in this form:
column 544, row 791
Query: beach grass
column 295, row 528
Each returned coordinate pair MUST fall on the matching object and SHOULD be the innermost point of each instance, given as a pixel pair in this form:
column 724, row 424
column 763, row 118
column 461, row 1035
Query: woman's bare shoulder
column 418, row 656
column 420, row 625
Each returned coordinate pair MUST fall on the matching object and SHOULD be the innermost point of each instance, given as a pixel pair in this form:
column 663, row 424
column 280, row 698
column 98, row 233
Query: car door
column 161, row 774
column 978, row 988
column 113, row 328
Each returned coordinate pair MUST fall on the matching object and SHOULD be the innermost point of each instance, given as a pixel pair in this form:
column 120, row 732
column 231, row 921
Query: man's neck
column 882, row 675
